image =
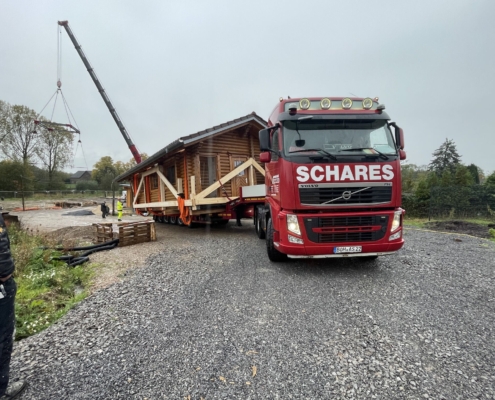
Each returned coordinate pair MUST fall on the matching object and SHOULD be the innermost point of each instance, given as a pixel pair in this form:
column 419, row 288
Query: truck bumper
column 314, row 249
column 327, row 251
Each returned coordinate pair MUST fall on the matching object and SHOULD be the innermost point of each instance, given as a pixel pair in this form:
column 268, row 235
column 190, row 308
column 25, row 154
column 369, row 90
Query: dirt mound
column 459, row 227
column 72, row 235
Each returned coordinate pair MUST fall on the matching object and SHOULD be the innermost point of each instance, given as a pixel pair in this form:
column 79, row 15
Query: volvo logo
column 346, row 195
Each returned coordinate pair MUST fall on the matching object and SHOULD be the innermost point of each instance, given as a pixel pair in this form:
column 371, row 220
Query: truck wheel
column 258, row 227
column 273, row 254
column 173, row 219
column 180, row 222
column 166, row 219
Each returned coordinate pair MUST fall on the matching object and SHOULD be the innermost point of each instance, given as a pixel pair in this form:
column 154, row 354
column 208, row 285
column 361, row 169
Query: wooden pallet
column 136, row 232
column 104, row 232
column 129, row 232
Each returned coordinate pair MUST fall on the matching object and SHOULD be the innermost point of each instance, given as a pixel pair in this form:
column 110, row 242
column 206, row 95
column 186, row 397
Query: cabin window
column 208, row 172
column 236, row 164
column 170, row 174
column 154, row 181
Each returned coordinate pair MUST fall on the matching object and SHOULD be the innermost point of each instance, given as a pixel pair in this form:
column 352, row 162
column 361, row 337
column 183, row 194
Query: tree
column 3, row 119
column 54, row 150
column 445, row 158
column 411, row 176
column 132, row 162
column 490, row 180
column 20, row 139
column 476, row 173
column 16, row 176
column 446, row 178
column 463, row 176
column 104, row 172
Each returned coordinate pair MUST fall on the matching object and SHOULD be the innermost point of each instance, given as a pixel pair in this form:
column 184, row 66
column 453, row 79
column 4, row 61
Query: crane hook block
column 59, row 83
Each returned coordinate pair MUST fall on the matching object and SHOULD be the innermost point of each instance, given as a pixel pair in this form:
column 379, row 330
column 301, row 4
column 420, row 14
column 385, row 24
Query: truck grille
column 346, row 229
column 345, row 194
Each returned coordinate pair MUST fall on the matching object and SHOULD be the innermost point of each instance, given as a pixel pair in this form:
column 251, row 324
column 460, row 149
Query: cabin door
column 242, row 178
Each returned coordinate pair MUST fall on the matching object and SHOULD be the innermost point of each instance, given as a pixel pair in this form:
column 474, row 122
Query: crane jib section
column 102, row 92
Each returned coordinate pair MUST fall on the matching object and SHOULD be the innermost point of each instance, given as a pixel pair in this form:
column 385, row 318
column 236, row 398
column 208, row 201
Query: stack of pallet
column 136, row 232
column 128, row 232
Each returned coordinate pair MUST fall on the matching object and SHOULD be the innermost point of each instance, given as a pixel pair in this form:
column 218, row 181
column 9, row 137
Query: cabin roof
column 79, row 174
column 191, row 139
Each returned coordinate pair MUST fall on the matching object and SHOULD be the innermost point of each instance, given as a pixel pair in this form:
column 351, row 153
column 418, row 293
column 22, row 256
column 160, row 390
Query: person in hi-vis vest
column 120, row 208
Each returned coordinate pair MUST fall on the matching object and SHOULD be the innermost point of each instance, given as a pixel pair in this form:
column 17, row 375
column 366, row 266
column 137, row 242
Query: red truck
column 333, row 183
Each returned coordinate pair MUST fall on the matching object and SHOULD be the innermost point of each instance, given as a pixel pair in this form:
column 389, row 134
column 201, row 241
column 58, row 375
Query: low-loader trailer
column 332, row 179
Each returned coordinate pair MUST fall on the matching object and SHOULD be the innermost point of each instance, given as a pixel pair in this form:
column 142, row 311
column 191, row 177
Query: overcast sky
column 172, row 68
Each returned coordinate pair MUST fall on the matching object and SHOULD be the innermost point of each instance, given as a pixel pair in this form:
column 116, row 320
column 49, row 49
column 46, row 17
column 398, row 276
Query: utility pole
column 22, row 192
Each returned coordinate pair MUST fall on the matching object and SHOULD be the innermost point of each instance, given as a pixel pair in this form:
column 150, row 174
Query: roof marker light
column 304, row 104
column 346, row 103
column 325, row 103
column 367, row 103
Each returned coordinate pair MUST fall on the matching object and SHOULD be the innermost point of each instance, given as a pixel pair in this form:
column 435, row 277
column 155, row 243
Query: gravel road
column 211, row 318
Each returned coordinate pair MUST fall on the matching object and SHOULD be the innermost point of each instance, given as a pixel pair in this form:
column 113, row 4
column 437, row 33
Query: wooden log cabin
column 199, row 177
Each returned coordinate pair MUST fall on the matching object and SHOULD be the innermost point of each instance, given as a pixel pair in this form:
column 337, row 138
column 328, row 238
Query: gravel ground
column 211, row 318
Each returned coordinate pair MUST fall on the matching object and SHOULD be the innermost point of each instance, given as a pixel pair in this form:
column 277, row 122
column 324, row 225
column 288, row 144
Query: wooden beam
column 179, row 185
column 228, row 177
column 166, row 182
column 258, row 167
column 214, row 200
column 150, row 171
column 137, row 192
column 193, row 192
column 162, row 187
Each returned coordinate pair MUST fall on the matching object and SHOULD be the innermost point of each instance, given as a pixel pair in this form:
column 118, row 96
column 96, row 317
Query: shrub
column 87, row 185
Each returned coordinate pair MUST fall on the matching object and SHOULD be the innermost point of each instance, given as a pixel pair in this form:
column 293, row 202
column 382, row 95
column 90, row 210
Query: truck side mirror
column 264, row 135
column 265, row 157
column 402, row 154
column 399, row 137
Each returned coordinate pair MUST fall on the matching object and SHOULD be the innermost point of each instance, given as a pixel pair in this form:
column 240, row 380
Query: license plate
column 347, row 249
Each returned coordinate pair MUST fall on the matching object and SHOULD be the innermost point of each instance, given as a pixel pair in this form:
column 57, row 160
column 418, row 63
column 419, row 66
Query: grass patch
column 420, row 222
column 46, row 288
column 417, row 222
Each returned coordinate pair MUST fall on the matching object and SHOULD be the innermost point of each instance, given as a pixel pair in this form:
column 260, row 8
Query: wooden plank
column 226, row 178
column 179, row 185
column 169, row 185
column 193, row 192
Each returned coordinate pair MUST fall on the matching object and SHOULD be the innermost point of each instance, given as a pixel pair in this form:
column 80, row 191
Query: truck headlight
column 293, row 224
column 396, row 221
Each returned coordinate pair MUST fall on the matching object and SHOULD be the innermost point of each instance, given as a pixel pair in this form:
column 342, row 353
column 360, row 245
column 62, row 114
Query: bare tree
column 3, row 116
column 54, row 148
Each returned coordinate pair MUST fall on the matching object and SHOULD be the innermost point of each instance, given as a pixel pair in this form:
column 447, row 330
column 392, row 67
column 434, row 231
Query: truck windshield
column 338, row 137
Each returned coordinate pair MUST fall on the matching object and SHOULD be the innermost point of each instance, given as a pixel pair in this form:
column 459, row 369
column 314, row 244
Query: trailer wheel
column 180, row 222
column 273, row 254
column 258, row 226
column 165, row 219
column 173, row 219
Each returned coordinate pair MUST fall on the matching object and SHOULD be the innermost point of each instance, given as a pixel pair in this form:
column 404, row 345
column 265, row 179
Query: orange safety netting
column 185, row 213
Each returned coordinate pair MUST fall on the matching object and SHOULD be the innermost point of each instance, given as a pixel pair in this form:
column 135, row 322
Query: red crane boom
column 103, row 94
